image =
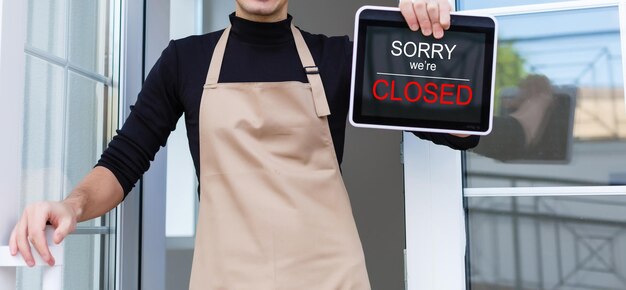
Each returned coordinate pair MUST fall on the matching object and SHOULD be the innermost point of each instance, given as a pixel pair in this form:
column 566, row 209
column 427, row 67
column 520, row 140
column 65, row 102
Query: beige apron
column 274, row 212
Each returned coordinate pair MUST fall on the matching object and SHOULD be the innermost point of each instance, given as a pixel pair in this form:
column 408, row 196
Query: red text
column 430, row 92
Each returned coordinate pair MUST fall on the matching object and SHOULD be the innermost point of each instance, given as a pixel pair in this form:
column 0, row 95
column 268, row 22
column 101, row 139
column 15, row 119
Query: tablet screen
column 405, row 80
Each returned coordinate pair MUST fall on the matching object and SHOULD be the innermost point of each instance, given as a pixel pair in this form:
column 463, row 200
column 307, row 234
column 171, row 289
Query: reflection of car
column 554, row 142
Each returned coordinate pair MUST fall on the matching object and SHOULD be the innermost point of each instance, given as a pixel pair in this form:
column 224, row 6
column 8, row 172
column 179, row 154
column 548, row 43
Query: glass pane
column 61, row 144
column 560, row 114
column 565, row 242
column 47, row 26
column 478, row 4
column 81, row 270
column 84, row 131
column 44, row 119
column 88, row 34
column 42, row 163
column 82, row 262
column 85, row 122
column 65, row 111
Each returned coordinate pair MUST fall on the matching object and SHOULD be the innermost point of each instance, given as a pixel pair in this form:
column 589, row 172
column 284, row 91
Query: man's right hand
column 31, row 228
column 95, row 195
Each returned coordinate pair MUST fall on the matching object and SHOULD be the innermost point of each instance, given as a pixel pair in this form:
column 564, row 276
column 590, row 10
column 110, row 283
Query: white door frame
column 12, row 77
column 435, row 217
column 12, row 58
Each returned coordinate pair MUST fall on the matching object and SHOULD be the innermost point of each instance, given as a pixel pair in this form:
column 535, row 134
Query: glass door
column 542, row 198
column 545, row 191
column 67, row 113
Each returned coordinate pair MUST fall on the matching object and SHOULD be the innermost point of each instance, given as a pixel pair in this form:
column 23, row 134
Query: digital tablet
column 404, row 80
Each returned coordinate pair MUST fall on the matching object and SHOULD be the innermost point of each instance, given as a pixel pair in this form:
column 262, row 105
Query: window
column 477, row 4
column 575, row 135
column 545, row 191
column 69, row 111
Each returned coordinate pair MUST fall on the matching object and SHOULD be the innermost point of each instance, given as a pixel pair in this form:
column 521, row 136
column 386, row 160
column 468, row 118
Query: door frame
column 435, row 216
column 140, row 262
column 128, row 216
column 12, row 70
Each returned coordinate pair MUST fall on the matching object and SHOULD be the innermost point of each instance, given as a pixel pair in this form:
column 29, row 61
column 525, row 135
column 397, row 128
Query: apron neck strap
column 312, row 74
column 311, row 70
column 216, row 61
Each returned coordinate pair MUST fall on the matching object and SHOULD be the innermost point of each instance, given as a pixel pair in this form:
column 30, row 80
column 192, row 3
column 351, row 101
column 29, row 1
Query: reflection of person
column 273, row 209
column 529, row 106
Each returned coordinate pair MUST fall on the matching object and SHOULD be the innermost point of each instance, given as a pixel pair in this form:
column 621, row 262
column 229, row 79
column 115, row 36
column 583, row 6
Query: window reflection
column 568, row 242
column 478, row 4
column 559, row 103
column 561, row 122
column 535, row 123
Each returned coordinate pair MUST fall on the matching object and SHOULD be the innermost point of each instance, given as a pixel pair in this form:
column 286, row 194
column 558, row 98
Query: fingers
column 419, row 9
column 444, row 14
column 406, row 8
column 21, row 234
column 37, row 234
column 31, row 230
column 432, row 8
column 431, row 16
column 13, row 242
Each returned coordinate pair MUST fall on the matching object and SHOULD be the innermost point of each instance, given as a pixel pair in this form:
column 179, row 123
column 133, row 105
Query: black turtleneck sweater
column 256, row 52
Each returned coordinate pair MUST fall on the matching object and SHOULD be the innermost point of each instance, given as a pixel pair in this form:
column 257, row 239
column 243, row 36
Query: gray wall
column 371, row 169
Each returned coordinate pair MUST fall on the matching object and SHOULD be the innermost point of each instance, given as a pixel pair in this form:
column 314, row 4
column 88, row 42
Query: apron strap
column 312, row 73
column 216, row 61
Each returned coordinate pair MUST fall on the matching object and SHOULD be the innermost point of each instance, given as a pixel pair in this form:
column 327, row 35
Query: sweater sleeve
column 151, row 120
column 454, row 142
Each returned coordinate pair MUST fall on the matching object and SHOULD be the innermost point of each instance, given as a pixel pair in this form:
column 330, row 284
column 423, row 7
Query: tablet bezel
column 459, row 22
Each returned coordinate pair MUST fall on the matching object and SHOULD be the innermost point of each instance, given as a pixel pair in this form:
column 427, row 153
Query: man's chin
column 268, row 9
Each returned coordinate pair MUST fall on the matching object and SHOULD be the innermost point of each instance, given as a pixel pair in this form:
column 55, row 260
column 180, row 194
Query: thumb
column 64, row 228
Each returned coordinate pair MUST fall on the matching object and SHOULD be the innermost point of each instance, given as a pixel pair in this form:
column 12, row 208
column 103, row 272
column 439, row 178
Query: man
column 257, row 99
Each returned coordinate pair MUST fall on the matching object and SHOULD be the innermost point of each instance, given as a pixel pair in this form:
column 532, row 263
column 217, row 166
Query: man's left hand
column 432, row 16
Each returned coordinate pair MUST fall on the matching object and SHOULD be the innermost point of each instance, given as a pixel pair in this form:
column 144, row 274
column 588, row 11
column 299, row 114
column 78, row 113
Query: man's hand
column 432, row 16
column 95, row 195
column 31, row 227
